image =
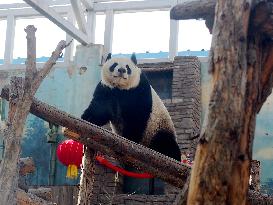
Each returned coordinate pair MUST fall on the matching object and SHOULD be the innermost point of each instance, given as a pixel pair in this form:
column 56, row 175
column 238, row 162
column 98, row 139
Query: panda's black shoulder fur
column 131, row 108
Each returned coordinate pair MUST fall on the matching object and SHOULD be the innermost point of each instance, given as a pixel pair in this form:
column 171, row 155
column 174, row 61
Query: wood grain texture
column 20, row 99
column 221, row 168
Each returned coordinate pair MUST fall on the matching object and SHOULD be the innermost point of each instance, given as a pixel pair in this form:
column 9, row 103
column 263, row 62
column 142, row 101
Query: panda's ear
column 133, row 58
column 109, row 56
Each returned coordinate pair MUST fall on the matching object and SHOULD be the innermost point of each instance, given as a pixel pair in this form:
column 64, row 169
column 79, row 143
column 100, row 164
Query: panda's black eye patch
column 129, row 71
column 112, row 67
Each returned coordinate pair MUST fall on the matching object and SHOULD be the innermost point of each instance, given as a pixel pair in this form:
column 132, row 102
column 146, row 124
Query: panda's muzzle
column 121, row 73
column 122, row 70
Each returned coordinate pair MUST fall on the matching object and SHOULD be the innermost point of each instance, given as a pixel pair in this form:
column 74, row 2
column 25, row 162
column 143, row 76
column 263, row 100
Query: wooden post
column 87, row 178
column 20, row 99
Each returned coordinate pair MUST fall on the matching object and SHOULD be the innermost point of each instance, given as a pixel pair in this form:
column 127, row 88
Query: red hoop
column 122, row 171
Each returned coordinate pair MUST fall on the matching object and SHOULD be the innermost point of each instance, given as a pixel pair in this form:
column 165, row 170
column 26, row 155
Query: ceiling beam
column 79, row 14
column 53, row 16
column 88, row 4
column 133, row 5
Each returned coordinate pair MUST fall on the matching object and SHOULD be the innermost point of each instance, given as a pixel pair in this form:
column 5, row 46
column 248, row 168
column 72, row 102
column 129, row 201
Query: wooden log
column 111, row 144
column 199, row 9
column 102, row 140
column 220, row 173
column 173, row 168
column 20, row 99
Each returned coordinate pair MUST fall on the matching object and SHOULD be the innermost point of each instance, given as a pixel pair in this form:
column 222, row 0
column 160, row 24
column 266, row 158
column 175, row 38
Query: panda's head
column 121, row 73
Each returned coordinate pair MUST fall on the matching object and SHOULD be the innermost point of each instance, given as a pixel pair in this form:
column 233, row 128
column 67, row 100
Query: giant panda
column 125, row 98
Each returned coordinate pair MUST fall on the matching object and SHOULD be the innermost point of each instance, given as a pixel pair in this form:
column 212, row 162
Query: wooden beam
column 30, row 12
column 133, row 5
column 108, row 143
column 173, row 40
column 108, row 31
column 53, row 16
column 79, row 14
column 68, row 54
column 9, row 43
column 88, row 4
column 24, row 5
column 91, row 26
column 193, row 10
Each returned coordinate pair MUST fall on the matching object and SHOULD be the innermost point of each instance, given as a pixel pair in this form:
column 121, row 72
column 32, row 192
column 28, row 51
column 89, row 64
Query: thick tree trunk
column 221, row 168
column 240, row 66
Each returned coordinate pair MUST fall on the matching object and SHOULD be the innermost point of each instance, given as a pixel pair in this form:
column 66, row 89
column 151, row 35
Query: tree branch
column 198, row 9
column 22, row 92
column 111, row 144
column 31, row 69
column 49, row 64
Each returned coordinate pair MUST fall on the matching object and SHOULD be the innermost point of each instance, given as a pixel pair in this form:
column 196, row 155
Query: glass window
column 3, row 27
column 48, row 36
column 193, row 35
column 141, row 32
column 99, row 30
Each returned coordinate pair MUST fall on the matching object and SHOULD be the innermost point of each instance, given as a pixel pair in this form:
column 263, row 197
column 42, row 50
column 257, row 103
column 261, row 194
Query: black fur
column 109, row 56
column 165, row 143
column 133, row 58
column 131, row 109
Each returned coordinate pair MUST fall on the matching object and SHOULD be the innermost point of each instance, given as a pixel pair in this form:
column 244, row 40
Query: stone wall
column 185, row 109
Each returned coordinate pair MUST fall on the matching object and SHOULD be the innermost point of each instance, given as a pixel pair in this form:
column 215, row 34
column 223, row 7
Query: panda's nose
column 121, row 70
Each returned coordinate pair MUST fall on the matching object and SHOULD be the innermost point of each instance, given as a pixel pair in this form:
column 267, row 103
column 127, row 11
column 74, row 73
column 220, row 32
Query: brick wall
column 185, row 110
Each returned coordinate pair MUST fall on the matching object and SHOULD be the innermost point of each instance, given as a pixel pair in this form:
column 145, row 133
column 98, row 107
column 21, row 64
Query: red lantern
column 70, row 154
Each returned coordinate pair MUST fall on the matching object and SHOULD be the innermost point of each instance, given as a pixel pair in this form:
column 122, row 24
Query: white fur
column 159, row 120
column 126, row 82
column 159, row 117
